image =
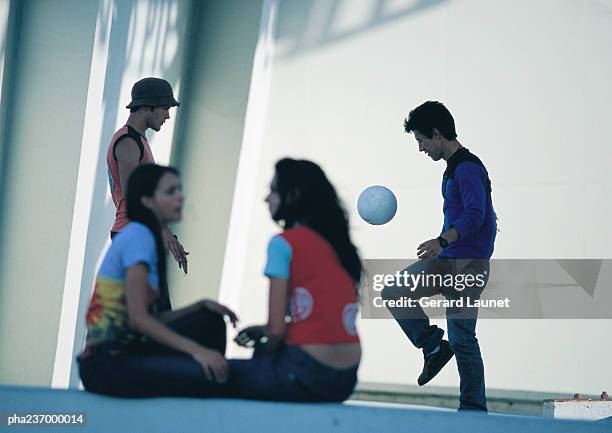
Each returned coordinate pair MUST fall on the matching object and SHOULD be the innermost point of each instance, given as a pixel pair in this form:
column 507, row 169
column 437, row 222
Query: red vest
column 323, row 300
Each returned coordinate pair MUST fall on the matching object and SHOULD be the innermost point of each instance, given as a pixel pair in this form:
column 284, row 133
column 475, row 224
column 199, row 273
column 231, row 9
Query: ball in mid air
column 377, row 205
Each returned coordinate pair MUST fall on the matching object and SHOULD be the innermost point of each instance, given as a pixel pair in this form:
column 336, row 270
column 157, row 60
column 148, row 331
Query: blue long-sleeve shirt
column 468, row 207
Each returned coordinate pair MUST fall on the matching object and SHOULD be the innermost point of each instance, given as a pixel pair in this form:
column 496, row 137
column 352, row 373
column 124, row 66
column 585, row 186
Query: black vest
column 461, row 155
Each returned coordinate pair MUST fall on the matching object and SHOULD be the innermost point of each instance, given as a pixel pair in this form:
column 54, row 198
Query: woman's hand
column 213, row 363
column 251, row 335
column 222, row 310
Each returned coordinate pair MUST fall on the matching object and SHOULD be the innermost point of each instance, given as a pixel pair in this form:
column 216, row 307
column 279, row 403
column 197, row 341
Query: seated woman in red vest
column 313, row 269
column 136, row 346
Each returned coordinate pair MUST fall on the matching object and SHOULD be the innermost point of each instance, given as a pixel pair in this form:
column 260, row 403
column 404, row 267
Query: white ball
column 377, row 205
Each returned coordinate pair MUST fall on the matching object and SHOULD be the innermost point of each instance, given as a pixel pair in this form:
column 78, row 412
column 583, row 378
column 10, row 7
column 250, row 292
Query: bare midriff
column 340, row 355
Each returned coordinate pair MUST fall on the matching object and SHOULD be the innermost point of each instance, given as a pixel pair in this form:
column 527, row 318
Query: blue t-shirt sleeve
column 279, row 258
column 139, row 247
column 471, row 182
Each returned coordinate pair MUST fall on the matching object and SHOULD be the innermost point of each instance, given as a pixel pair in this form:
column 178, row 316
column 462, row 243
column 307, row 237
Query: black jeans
column 290, row 374
column 151, row 369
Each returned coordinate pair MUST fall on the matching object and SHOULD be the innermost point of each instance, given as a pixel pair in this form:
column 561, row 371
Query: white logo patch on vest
column 301, row 304
column 349, row 318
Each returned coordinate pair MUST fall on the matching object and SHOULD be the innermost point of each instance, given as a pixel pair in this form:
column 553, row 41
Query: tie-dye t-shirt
column 107, row 313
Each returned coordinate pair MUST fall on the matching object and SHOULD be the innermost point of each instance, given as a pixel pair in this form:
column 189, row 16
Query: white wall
column 528, row 84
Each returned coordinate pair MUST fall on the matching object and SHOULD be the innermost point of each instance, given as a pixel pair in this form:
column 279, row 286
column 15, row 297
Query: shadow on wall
column 308, row 25
column 139, row 45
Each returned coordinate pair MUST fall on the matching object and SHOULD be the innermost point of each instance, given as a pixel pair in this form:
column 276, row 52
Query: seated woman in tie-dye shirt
column 136, row 346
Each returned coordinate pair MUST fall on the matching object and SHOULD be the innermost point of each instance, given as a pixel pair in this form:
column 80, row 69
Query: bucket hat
column 152, row 92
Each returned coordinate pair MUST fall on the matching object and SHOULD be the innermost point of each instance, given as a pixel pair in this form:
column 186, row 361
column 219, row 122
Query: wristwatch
column 443, row 242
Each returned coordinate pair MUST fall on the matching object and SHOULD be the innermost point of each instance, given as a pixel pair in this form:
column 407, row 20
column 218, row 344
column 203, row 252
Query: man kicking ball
column 462, row 251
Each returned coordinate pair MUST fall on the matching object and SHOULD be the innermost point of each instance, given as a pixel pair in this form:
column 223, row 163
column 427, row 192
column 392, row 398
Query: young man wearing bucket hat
column 152, row 99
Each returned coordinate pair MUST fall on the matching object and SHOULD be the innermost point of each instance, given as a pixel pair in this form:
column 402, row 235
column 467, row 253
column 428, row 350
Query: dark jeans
column 150, row 369
column 461, row 322
column 290, row 374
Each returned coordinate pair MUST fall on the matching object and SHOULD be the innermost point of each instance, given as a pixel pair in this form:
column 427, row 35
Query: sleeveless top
column 323, row 300
column 146, row 157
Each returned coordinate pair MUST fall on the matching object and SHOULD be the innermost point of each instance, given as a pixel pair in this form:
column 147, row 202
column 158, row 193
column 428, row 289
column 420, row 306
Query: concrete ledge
column 591, row 410
column 104, row 414
column 498, row 400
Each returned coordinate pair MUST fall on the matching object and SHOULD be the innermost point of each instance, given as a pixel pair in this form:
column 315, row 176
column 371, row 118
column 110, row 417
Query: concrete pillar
column 42, row 152
column 209, row 137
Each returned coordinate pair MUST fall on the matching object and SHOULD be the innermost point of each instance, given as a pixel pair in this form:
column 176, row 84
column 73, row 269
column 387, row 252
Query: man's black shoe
column 435, row 362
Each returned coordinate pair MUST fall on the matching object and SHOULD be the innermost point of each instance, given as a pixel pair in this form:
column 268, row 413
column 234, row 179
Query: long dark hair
column 309, row 198
column 142, row 183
